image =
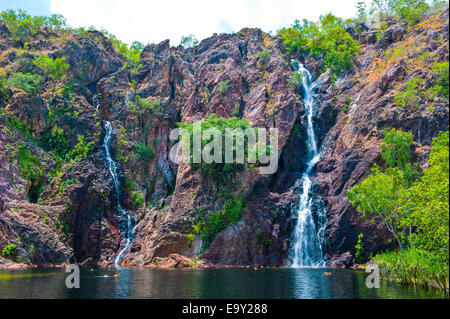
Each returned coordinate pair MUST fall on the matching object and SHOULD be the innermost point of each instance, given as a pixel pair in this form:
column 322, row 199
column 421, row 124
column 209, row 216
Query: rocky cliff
column 57, row 210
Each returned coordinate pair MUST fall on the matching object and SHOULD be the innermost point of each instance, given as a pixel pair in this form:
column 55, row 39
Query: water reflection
column 206, row 283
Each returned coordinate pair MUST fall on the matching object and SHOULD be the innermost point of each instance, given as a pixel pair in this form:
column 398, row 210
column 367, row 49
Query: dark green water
column 202, row 283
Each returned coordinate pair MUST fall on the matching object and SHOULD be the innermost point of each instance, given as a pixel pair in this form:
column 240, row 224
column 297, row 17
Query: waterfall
column 94, row 102
column 308, row 237
column 126, row 221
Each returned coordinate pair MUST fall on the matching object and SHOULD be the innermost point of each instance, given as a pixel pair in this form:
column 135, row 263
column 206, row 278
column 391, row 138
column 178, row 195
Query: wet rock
column 345, row 260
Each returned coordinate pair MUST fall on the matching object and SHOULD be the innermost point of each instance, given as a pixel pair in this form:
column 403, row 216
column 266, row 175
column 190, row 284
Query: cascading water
column 308, row 238
column 94, row 102
column 126, row 222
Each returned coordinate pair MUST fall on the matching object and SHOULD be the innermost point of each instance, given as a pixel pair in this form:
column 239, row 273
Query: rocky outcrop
column 364, row 100
column 68, row 213
column 257, row 91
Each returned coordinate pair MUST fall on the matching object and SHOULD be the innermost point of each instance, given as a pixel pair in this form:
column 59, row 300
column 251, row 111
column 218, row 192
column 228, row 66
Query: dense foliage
column 210, row 225
column 221, row 170
column 30, row 168
column 379, row 193
column 143, row 151
column 56, row 141
column 409, row 97
column 409, row 11
column 145, row 106
column 425, row 206
column 23, row 26
column 55, row 68
column 414, row 209
column 132, row 52
column 9, row 250
column 326, row 37
column 30, row 83
column 413, row 266
column 81, row 150
column 441, row 88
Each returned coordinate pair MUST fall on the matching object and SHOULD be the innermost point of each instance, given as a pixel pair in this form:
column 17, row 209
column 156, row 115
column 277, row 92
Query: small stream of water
column 126, row 221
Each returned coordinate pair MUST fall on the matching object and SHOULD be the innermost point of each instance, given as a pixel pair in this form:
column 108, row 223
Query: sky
column 155, row 21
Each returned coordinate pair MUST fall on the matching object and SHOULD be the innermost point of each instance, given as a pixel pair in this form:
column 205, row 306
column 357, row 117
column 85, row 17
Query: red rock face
column 351, row 115
column 352, row 145
column 257, row 91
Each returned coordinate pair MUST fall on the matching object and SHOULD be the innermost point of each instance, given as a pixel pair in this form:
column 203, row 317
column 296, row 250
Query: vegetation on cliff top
column 23, row 26
column 329, row 38
column 326, row 37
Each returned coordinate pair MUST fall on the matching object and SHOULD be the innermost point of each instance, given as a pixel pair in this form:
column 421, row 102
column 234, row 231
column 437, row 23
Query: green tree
column 220, row 171
column 143, row 151
column 425, row 203
column 293, row 39
column 81, row 149
column 359, row 249
column 410, row 11
column 327, row 37
column 55, row 140
column 23, row 26
column 145, row 106
column 131, row 53
column 30, row 83
column 188, row 41
column 9, row 250
column 362, row 10
column 55, row 68
column 441, row 88
column 378, row 195
column 340, row 49
column 410, row 95
column 395, row 151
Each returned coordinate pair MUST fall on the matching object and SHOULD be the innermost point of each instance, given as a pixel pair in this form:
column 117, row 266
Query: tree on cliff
column 404, row 201
column 425, row 203
column 379, row 193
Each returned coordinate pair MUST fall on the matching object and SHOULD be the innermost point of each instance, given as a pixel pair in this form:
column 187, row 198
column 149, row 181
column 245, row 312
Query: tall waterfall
column 126, row 221
column 308, row 238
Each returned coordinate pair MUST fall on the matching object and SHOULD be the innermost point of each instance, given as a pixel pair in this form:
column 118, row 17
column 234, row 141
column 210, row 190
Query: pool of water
column 202, row 283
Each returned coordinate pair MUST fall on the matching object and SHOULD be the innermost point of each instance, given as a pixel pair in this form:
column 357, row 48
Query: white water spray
column 308, row 236
column 125, row 218
column 94, row 102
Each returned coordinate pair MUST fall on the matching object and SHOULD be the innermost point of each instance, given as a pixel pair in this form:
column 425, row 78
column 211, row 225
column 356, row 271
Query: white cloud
column 154, row 21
